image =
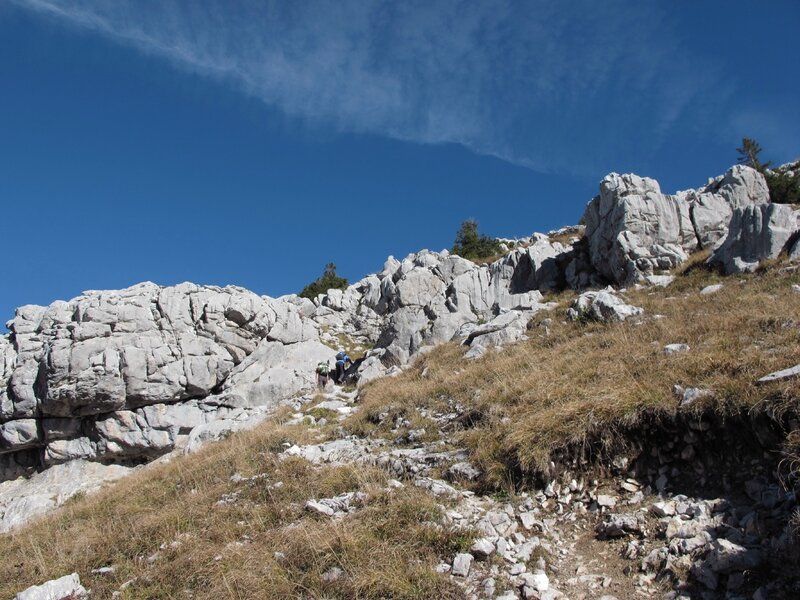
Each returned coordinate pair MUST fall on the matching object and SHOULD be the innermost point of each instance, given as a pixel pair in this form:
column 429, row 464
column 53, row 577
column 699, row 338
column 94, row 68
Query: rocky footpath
column 675, row 517
column 118, row 378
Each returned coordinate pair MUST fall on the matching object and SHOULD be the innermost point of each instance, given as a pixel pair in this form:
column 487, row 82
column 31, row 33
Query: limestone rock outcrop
column 123, row 374
column 757, row 233
column 129, row 375
column 634, row 230
column 433, row 297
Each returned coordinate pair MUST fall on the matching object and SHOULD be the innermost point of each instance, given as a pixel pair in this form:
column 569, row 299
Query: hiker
column 341, row 364
column 323, row 374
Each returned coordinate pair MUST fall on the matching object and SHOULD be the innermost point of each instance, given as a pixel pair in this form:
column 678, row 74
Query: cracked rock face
column 116, row 374
column 756, row 233
column 431, row 297
column 633, row 229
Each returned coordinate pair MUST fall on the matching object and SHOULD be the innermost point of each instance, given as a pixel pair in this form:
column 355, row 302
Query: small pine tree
column 784, row 185
column 472, row 245
column 748, row 155
column 329, row 280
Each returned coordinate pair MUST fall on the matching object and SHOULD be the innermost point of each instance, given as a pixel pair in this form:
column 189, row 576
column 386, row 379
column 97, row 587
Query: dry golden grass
column 588, row 382
column 210, row 550
column 566, row 238
column 581, row 384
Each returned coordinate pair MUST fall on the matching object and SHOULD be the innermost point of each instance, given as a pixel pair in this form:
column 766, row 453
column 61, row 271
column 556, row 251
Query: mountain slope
column 580, row 409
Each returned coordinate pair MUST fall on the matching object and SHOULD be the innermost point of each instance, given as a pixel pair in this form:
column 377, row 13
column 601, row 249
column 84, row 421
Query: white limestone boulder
column 504, row 329
column 712, row 206
column 602, row 305
column 217, row 429
column 633, row 230
column 67, row 587
column 276, row 371
column 756, row 233
column 19, row 434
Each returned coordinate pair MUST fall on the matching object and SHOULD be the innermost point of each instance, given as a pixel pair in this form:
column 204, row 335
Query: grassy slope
column 387, row 549
column 587, row 382
column 579, row 384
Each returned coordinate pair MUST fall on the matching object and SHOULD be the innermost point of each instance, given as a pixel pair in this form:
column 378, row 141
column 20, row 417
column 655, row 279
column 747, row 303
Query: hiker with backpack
column 342, row 361
column 323, row 374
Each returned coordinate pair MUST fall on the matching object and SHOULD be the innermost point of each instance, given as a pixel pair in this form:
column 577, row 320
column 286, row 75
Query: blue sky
column 250, row 143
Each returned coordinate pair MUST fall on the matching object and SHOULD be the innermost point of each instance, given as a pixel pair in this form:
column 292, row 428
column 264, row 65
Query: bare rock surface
column 634, row 230
column 65, row 588
column 24, row 498
column 756, row 233
column 604, row 305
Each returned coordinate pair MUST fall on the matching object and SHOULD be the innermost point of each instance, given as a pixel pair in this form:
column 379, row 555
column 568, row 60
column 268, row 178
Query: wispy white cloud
column 549, row 85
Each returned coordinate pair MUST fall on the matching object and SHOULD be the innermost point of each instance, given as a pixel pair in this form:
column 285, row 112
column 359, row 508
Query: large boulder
column 504, row 329
column 276, row 371
column 633, row 230
column 536, row 267
column 712, row 206
column 756, row 233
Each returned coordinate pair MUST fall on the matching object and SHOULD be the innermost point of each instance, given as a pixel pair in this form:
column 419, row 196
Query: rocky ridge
column 127, row 376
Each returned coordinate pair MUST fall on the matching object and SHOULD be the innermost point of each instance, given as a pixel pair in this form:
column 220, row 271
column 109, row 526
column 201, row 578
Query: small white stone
column 675, row 348
column 319, row 508
column 482, row 548
column 711, row 289
column 663, row 509
column 606, row 501
column 537, row 580
column 461, row 564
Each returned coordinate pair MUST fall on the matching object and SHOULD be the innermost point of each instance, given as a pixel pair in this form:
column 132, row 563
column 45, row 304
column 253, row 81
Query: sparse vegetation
column 329, row 280
column 169, row 530
column 354, row 349
column 783, row 183
column 585, row 385
column 473, row 245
